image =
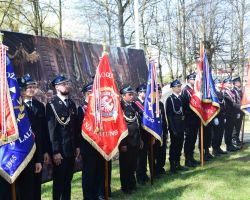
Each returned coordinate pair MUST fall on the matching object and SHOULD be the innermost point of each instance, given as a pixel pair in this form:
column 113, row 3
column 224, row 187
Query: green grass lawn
column 227, row 177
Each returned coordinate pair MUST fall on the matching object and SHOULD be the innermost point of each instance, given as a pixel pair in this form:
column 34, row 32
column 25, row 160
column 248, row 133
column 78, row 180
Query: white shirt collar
column 140, row 99
column 189, row 85
column 176, row 95
column 26, row 100
column 62, row 97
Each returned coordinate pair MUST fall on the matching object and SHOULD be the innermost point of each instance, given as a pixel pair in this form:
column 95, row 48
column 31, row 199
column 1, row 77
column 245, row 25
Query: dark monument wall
column 44, row 57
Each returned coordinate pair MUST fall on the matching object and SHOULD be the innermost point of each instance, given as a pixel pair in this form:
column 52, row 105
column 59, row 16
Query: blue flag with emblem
column 15, row 156
column 152, row 119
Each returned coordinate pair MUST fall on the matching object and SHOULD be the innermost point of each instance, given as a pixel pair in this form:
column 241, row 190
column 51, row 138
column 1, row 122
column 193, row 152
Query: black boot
column 216, row 152
column 179, row 167
column 207, row 155
column 172, row 167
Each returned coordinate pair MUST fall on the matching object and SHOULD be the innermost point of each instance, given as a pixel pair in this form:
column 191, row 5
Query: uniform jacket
column 64, row 137
column 190, row 115
column 175, row 114
column 36, row 115
column 86, row 148
column 131, row 116
column 231, row 103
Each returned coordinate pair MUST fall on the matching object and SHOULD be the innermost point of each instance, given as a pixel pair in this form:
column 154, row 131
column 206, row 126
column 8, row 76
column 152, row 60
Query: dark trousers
column 93, row 176
column 208, row 135
column 62, row 176
column 160, row 154
column 141, row 170
column 238, row 123
column 175, row 146
column 128, row 162
column 37, row 185
column 191, row 133
column 25, row 183
column 5, row 189
column 218, row 132
column 229, row 126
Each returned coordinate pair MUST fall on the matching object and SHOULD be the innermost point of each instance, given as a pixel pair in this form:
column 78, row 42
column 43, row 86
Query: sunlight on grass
column 224, row 178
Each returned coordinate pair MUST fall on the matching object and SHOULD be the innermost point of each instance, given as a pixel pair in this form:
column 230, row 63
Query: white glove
column 216, row 121
column 238, row 116
column 225, row 120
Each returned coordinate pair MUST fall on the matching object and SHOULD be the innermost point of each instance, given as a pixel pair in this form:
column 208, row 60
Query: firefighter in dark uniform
column 192, row 123
column 176, row 125
column 141, row 171
column 61, row 115
column 231, row 107
column 160, row 150
column 93, row 162
column 36, row 112
column 219, row 122
column 237, row 90
column 130, row 145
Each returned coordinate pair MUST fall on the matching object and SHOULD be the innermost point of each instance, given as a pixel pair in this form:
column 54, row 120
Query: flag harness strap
column 237, row 94
column 58, row 118
column 179, row 112
column 130, row 120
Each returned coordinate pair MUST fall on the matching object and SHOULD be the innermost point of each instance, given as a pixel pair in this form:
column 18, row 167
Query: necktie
column 29, row 103
column 66, row 102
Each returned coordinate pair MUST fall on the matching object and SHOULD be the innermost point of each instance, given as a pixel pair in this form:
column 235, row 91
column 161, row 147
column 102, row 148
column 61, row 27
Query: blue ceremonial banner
column 152, row 119
column 15, row 156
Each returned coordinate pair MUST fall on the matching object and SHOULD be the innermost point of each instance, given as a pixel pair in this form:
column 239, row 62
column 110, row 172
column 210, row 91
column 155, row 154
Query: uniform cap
column 175, row 83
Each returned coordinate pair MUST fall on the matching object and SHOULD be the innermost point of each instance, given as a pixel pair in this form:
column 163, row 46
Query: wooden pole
column 13, row 190
column 201, row 146
column 106, row 184
column 151, row 166
column 242, row 132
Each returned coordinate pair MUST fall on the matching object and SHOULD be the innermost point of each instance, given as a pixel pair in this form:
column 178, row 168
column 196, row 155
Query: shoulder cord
column 128, row 119
column 176, row 112
column 58, row 118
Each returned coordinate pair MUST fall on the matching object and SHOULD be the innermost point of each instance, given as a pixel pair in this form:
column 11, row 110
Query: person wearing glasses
column 36, row 114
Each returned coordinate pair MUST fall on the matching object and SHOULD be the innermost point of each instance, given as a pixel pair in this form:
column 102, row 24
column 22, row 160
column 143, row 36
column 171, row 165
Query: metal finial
column 104, row 44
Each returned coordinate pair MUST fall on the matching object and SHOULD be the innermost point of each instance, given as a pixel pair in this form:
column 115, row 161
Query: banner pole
column 242, row 132
column 201, row 145
column 13, row 191
column 151, row 160
column 106, row 178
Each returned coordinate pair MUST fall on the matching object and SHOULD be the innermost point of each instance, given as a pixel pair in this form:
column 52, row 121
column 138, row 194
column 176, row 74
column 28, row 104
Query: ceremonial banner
column 245, row 102
column 204, row 101
column 8, row 125
column 152, row 120
column 15, row 156
column 104, row 125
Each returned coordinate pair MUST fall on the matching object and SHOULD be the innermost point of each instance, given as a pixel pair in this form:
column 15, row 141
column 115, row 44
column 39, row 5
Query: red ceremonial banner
column 8, row 125
column 204, row 101
column 245, row 102
column 104, row 125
